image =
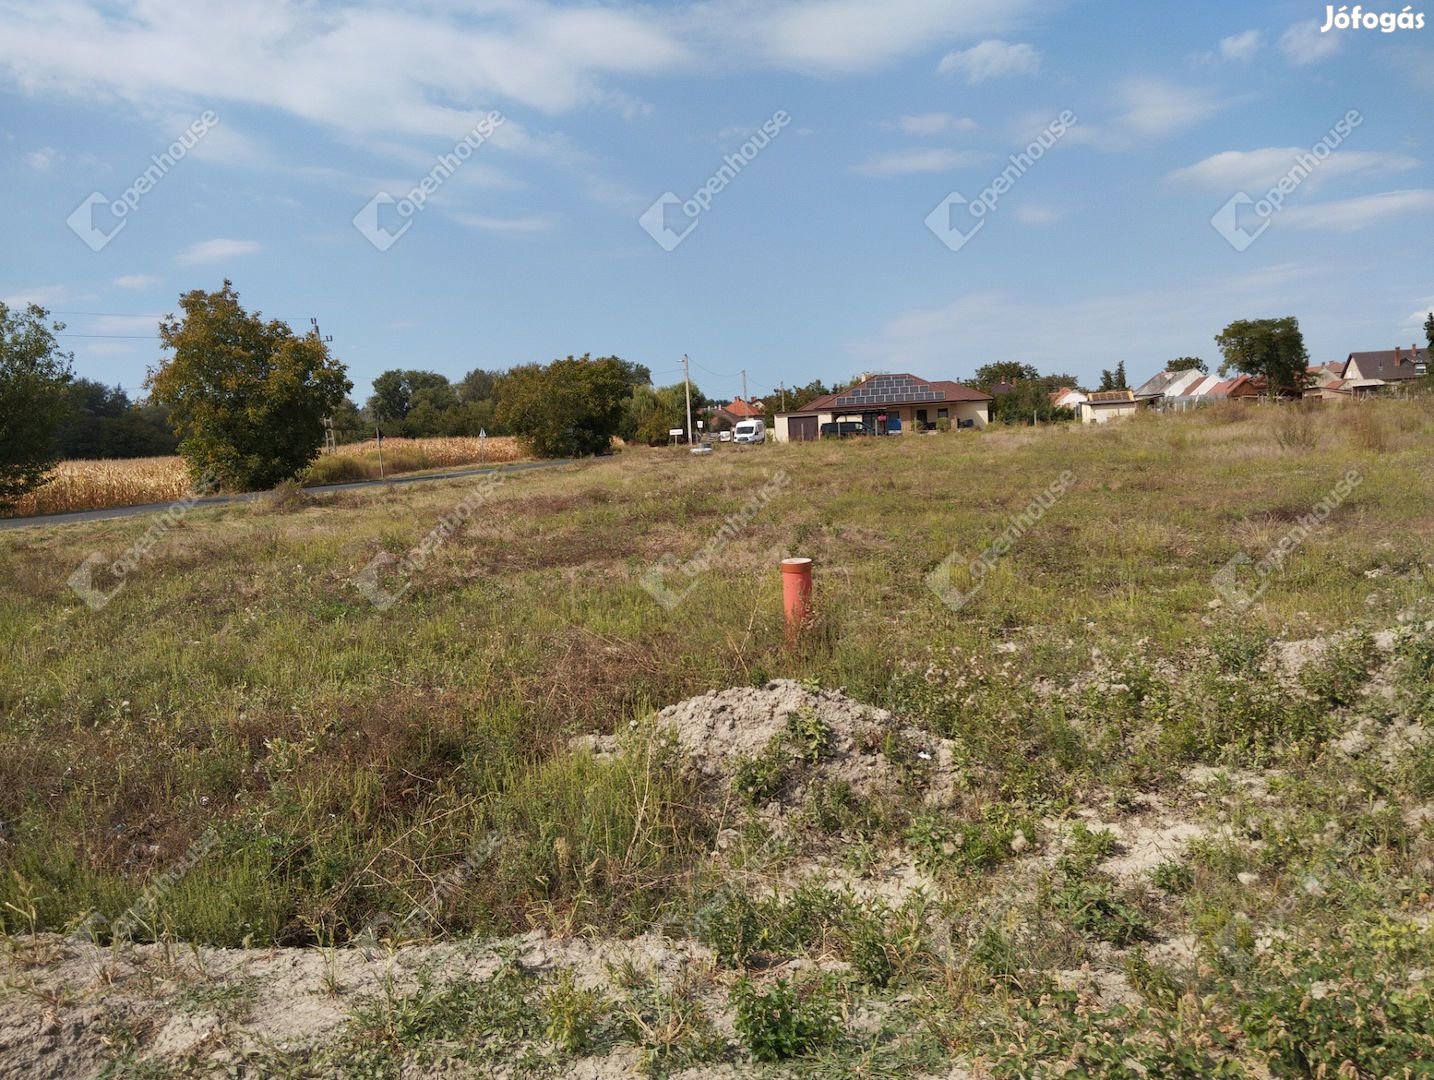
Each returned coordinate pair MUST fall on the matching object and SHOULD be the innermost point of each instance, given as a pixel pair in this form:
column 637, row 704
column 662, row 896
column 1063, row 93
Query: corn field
column 99, row 485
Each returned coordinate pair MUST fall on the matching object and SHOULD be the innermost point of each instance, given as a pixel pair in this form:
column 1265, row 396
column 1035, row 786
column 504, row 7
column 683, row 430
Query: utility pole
column 330, row 443
column 744, row 385
column 784, row 397
column 687, row 383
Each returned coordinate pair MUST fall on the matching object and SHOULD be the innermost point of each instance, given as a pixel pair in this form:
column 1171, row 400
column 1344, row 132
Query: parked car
column 750, row 431
column 724, row 436
column 843, row 429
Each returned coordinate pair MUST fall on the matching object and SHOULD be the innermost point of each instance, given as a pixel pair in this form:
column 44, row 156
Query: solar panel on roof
column 884, row 389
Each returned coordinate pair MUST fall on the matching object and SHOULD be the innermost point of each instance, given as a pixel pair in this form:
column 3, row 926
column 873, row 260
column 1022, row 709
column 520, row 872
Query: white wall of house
column 1103, row 412
column 975, row 411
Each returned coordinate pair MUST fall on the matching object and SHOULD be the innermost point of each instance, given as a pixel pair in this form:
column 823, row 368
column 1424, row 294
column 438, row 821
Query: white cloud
column 1036, row 214
column 207, row 251
column 135, row 281
column 44, row 295
column 991, row 60
column 936, row 123
column 43, row 159
column 851, row 35
column 1351, row 215
column 1241, row 47
column 955, row 338
column 430, row 67
column 1415, row 322
column 530, row 224
column 1235, row 170
column 1303, row 44
column 919, row 161
column 1155, row 108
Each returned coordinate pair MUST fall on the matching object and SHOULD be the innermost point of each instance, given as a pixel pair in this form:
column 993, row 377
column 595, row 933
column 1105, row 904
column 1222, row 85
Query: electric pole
column 744, row 385
column 687, row 384
column 330, row 443
column 784, row 397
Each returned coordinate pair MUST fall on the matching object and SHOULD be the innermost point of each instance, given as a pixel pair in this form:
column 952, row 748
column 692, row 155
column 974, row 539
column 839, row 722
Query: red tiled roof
column 743, row 408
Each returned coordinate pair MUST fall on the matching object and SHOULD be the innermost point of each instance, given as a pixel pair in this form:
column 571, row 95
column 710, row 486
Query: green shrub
column 811, row 734
column 1061, row 1035
column 572, row 1014
column 761, row 777
column 942, row 844
column 1337, row 677
column 1173, row 876
column 785, row 1021
column 1348, row 1008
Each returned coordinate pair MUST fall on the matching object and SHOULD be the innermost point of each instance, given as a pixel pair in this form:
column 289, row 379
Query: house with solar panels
column 885, row 405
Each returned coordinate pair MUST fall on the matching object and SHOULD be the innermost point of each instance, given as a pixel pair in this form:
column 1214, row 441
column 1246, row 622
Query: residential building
column 1368, row 373
column 887, row 404
column 725, row 417
column 1103, row 406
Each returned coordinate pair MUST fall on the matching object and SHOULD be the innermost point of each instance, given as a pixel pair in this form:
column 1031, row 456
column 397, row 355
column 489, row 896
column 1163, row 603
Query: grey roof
column 1381, row 364
column 1155, row 386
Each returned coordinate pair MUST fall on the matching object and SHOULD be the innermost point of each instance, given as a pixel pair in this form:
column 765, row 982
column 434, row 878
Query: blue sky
column 813, row 261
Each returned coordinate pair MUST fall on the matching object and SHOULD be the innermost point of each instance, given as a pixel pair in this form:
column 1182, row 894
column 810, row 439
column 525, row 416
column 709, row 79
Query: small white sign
column 674, row 432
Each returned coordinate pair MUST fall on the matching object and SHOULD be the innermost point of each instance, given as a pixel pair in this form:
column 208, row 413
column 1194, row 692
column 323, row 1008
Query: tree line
column 245, row 401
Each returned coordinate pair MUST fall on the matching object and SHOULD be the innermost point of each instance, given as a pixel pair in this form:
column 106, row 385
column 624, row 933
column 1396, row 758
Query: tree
column 34, row 376
column 567, row 408
column 650, row 413
column 1009, row 371
column 1188, row 363
column 1114, row 380
column 1429, row 331
column 396, row 393
column 1274, row 348
column 247, row 398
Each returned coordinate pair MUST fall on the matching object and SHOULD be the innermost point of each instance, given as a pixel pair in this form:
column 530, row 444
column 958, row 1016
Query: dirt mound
column 845, row 740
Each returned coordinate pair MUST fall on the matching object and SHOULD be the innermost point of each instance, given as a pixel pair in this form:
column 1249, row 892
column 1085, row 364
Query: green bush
column 784, row 1022
column 1352, row 1007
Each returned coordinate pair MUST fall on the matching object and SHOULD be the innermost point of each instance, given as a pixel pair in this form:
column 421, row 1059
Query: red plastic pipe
column 796, row 592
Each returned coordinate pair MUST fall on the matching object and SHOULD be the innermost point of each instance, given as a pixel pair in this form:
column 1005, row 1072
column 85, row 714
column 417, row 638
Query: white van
column 749, row 431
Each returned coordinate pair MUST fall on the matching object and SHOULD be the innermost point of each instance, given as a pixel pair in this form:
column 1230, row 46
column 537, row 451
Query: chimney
column 1398, row 356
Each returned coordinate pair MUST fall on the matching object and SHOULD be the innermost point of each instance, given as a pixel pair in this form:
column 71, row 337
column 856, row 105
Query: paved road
column 224, row 500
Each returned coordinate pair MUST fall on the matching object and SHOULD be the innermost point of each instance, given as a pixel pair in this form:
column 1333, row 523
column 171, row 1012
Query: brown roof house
column 724, row 417
column 887, row 405
column 1370, row 372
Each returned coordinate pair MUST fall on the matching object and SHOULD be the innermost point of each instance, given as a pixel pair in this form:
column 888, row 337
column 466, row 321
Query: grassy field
column 335, row 735
column 99, row 485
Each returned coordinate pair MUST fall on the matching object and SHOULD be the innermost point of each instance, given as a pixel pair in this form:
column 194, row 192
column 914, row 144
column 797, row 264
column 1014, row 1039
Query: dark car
column 843, row 429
